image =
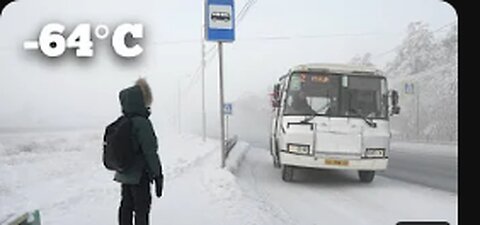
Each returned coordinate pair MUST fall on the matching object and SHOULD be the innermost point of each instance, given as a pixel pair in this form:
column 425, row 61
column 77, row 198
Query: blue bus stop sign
column 227, row 108
column 409, row 88
column 219, row 20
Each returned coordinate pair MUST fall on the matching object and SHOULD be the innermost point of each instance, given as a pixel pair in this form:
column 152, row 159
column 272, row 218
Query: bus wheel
column 287, row 173
column 366, row 176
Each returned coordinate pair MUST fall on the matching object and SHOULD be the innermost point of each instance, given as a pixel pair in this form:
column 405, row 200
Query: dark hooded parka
column 135, row 101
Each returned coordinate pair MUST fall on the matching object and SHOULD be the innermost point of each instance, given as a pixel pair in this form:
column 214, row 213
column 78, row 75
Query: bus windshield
column 337, row 95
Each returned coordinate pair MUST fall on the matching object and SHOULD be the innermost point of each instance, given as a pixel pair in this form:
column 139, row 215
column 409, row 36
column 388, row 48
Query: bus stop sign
column 409, row 88
column 227, row 108
column 219, row 20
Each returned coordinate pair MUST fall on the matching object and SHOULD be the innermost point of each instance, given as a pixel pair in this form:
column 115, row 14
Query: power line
column 398, row 46
column 194, row 78
column 445, row 26
column 249, row 4
column 188, row 41
column 291, row 37
column 244, row 10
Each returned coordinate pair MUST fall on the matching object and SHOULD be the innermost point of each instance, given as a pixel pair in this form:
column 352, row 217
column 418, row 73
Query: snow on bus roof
column 337, row 68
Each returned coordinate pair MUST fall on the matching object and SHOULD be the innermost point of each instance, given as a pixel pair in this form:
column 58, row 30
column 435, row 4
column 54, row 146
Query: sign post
column 227, row 110
column 220, row 27
column 413, row 89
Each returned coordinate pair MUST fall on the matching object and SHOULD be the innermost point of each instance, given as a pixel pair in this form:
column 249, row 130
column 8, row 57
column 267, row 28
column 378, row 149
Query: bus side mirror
column 276, row 96
column 275, row 103
column 395, row 107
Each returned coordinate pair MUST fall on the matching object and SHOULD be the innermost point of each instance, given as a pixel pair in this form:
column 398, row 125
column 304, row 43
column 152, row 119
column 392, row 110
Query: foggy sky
column 36, row 91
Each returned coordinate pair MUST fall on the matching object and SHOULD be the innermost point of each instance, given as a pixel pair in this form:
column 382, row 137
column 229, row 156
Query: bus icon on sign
column 220, row 17
column 223, row 16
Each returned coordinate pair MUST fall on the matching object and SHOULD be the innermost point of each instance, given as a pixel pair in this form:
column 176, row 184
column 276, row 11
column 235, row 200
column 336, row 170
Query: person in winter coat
column 135, row 181
column 300, row 104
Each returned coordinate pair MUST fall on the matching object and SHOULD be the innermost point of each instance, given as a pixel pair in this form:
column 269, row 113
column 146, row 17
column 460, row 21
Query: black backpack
column 118, row 145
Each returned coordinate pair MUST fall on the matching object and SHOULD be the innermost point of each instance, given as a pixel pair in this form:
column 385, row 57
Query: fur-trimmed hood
column 146, row 91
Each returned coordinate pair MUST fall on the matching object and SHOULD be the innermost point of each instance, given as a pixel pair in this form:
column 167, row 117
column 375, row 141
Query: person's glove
column 158, row 185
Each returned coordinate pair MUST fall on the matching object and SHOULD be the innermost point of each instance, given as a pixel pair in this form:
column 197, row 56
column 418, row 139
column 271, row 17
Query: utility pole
column 418, row 111
column 204, row 115
column 179, row 113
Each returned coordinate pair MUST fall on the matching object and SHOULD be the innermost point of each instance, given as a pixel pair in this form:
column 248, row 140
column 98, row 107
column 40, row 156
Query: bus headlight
column 375, row 152
column 298, row 149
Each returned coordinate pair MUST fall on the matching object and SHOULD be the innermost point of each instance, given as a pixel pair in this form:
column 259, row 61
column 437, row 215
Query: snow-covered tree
column 449, row 45
column 364, row 60
column 417, row 51
column 431, row 64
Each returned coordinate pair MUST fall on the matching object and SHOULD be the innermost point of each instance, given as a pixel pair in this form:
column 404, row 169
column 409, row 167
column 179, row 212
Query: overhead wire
column 238, row 18
column 378, row 55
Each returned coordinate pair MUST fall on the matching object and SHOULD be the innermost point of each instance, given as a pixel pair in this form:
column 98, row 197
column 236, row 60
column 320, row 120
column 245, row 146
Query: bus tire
column 366, row 176
column 287, row 173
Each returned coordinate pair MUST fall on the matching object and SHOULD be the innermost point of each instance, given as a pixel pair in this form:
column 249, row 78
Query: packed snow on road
column 62, row 175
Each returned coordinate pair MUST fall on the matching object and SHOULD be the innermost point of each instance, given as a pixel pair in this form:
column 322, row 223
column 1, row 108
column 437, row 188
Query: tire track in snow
column 337, row 197
column 262, row 197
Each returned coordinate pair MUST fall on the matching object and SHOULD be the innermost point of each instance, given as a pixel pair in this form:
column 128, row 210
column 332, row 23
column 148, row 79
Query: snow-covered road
column 61, row 174
column 337, row 197
column 428, row 164
column 431, row 165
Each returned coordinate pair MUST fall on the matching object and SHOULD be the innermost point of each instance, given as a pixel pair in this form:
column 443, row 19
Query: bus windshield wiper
column 311, row 116
column 367, row 120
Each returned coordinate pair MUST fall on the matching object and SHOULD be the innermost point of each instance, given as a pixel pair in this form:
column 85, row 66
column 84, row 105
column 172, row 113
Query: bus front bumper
column 332, row 162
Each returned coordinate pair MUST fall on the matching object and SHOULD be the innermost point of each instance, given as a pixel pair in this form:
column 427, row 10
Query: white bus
column 332, row 116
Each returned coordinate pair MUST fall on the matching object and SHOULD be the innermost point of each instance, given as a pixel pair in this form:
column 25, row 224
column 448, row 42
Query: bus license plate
column 336, row 162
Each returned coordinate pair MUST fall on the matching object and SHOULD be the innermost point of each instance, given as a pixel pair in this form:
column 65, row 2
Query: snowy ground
column 62, row 175
column 337, row 197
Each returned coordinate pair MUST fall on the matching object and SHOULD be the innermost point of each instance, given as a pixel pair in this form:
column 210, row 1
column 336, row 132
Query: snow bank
column 236, row 156
column 180, row 152
column 228, row 202
column 62, row 174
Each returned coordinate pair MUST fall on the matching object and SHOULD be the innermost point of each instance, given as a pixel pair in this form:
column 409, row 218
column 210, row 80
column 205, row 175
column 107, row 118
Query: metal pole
column 226, row 127
column 418, row 111
column 204, row 115
column 222, row 116
column 179, row 108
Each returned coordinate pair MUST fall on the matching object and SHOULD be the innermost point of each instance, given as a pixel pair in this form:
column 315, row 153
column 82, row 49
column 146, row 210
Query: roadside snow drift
column 61, row 173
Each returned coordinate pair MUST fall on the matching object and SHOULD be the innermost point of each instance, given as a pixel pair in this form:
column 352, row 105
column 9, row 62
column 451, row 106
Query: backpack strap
column 130, row 117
